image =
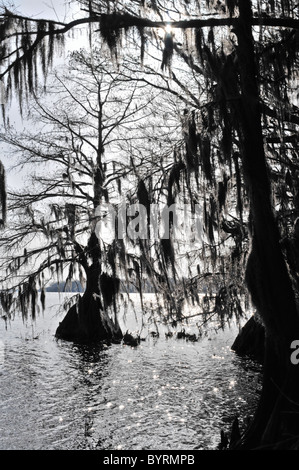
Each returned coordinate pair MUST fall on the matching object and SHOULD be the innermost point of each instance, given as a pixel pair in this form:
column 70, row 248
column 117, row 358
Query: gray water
column 166, row 394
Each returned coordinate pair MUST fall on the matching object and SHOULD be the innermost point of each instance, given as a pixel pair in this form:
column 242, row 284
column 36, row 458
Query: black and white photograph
column 149, row 228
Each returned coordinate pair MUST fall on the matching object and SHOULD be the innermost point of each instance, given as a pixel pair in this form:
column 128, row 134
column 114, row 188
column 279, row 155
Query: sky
column 49, row 9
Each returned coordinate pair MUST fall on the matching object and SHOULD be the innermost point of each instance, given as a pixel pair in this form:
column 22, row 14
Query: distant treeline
column 76, row 286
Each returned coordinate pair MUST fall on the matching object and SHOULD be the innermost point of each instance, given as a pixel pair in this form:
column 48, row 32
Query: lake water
column 166, row 394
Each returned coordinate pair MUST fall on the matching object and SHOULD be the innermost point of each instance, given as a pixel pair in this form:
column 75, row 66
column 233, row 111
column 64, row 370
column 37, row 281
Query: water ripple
column 165, row 394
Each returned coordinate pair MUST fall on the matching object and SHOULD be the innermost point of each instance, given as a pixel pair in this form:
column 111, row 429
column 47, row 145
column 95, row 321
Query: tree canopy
column 236, row 157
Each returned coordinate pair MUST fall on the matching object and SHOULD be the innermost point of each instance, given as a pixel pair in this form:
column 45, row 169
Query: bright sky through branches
column 58, row 10
column 168, row 29
column 49, row 9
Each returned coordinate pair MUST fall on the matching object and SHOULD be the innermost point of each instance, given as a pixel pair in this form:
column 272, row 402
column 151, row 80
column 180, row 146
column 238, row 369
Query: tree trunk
column 251, row 340
column 276, row 421
column 88, row 321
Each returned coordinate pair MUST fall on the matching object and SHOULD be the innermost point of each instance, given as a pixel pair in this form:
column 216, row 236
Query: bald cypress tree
column 240, row 147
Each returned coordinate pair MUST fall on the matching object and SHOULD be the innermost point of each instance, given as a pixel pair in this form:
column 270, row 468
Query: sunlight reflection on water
column 167, row 394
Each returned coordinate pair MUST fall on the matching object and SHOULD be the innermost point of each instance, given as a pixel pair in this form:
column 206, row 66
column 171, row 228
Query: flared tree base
column 251, row 341
column 86, row 322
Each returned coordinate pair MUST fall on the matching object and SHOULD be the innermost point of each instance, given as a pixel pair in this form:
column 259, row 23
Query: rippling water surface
column 166, row 394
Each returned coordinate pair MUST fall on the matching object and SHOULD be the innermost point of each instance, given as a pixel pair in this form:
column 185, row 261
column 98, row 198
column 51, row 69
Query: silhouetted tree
column 240, row 144
column 80, row 158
